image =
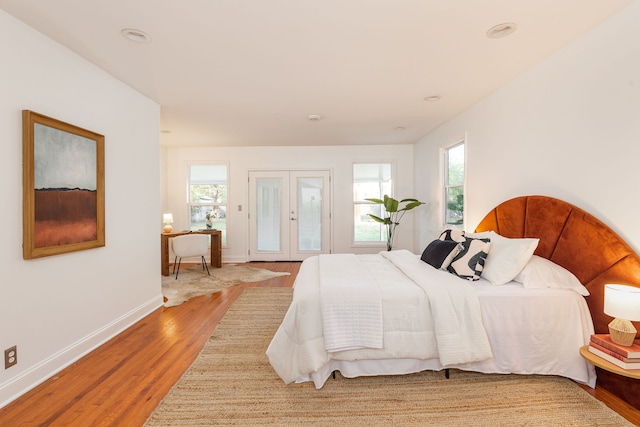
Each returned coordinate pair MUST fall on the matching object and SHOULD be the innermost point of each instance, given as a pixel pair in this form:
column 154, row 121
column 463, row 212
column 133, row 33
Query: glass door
column 289, row 214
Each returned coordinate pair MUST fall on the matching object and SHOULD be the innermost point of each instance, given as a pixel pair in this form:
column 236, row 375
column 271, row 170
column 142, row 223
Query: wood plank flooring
column 121, row 382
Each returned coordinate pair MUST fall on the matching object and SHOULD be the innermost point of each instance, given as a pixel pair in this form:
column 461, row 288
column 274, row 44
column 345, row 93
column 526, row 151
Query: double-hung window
column 370, row 180
column 208, row 198
column 454, row 185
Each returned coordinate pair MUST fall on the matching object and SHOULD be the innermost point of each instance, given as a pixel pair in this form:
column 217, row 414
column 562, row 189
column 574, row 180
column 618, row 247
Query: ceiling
column 250, row 72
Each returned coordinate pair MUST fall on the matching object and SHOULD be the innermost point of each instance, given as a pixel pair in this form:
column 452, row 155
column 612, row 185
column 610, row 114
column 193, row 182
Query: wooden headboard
column 580, row 243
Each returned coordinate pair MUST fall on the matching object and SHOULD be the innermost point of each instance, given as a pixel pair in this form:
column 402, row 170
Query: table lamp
column 167, row 220
column 623, row 303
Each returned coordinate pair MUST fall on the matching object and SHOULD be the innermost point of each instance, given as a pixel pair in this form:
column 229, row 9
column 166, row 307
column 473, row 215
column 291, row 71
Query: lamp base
column 168, row 228
column 622, row 332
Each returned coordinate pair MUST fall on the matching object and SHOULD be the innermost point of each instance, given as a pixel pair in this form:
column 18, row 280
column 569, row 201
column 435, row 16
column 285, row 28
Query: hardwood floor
column 120, row 383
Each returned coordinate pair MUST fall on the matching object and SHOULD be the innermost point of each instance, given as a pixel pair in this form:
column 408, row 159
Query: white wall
column 57, row 308
column 568, row 128
column 338, row 159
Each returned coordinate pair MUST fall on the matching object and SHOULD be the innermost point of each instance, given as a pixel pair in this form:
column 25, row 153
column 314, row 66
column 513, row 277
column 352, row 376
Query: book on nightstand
column 614, row 360
column 614, row 354
column 604, row 340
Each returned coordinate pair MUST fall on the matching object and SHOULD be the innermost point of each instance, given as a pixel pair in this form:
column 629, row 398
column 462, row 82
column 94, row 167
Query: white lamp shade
column 167, row 218
column 622, row 302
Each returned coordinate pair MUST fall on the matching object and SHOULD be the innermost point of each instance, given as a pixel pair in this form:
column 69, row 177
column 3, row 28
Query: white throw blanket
column 457, row 317
column 351, row 304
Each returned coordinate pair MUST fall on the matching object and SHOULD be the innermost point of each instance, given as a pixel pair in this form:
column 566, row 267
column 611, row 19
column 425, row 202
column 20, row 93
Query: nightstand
column 606, row 365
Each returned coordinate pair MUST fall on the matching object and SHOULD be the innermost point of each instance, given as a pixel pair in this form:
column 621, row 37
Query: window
column 454, row 185
column 208, row 198
column 370, row 180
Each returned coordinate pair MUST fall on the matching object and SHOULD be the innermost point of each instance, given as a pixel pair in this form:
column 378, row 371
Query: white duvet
column 485, row 328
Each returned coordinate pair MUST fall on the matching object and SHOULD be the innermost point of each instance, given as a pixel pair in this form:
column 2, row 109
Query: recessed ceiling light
column 501, row 30
column 165, row 131
column 135, row 35
column 314, row 117
column 432, row 98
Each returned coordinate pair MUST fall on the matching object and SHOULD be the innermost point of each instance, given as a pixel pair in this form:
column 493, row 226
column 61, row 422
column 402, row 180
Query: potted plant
column 394, row 213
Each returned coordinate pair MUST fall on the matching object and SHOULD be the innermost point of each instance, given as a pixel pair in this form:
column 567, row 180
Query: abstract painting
column 63, row 184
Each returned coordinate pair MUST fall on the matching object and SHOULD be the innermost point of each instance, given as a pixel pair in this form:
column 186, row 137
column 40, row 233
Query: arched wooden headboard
column 580, row 243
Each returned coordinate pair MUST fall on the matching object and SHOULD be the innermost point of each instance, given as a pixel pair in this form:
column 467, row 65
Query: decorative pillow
column 440, row 253
column 454, row 235
column 542, row 273
column 469, row 263
column 508, row 256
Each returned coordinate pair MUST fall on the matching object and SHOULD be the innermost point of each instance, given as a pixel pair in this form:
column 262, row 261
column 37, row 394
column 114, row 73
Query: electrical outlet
column 10, row 357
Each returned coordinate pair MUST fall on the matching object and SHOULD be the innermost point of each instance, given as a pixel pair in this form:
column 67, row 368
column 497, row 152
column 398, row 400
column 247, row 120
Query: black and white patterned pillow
column 440, row 253
column 469, row 263
column 454, row 235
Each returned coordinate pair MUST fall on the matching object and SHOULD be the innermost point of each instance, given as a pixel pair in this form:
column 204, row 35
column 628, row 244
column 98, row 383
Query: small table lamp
column 623, row 303
column 167, row 220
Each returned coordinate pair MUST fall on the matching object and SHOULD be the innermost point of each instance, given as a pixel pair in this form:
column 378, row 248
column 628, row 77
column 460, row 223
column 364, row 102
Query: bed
column 528, row 330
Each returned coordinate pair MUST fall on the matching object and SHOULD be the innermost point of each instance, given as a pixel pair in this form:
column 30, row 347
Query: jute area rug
column 193, row 281
column 232, row 383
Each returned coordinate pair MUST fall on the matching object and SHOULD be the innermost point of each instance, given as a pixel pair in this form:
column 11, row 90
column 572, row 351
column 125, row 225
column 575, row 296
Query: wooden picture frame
column 63, row 187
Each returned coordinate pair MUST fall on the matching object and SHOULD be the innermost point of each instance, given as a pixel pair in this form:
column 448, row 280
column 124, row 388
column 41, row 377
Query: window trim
column 445, row 186
column 369, row 243
column 189, row 204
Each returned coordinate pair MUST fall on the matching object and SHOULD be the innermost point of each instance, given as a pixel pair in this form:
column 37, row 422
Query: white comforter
column 460, row 336
column 448, row 327
column 536, row 331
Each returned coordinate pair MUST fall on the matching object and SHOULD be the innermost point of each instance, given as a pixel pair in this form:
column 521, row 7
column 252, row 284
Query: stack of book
column 624, row 357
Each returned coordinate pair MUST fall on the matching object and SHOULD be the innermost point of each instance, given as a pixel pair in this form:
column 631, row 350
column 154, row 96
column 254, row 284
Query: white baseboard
column 234, row 260
column 37, row 374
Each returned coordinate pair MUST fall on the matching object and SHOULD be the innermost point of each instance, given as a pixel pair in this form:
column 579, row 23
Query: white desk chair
column 190, row 245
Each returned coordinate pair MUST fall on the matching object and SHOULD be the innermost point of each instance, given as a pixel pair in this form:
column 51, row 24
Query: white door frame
column 288, row 250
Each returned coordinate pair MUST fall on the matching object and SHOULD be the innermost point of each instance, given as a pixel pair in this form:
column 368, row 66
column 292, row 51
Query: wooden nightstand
column 606, row 365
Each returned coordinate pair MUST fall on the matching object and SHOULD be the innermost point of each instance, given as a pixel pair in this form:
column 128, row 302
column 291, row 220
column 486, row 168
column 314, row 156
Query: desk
column 216, row 247
column 608, row 366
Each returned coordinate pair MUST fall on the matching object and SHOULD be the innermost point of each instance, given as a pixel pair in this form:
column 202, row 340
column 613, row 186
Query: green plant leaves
column 378, row 219
column 394, row 213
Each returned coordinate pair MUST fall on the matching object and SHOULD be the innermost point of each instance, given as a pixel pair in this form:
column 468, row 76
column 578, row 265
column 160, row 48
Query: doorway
column 289, row 214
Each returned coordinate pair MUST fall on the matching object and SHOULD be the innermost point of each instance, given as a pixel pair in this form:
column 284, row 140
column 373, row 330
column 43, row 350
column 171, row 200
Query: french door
column 289, row 215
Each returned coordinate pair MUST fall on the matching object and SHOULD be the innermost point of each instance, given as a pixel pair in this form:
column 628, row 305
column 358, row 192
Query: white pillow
column 542, row 273
column 507, row 257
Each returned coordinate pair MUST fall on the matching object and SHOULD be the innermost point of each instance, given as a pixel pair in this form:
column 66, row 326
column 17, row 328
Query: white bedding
column 530, row 331
column 459, row 334
column 350, row 304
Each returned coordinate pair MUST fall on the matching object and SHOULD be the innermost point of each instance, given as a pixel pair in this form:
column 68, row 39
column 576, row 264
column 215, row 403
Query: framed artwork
column 63, row 187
